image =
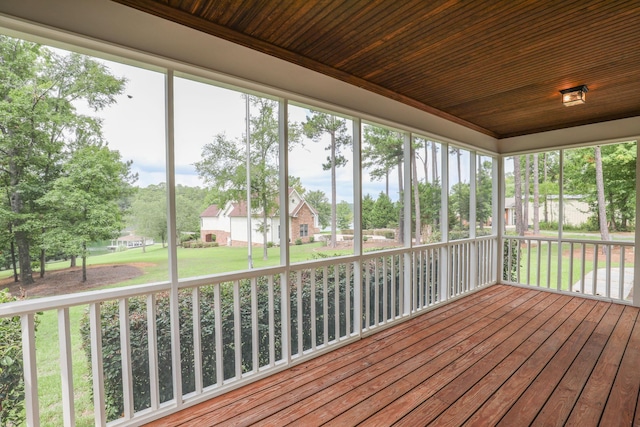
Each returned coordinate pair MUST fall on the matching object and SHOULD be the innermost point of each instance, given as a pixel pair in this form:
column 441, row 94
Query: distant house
column 129, row 242
column 576, row 210
column 228, row 225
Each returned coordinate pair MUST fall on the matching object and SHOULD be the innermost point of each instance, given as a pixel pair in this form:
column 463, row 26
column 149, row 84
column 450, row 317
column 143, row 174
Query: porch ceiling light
column 574, row 96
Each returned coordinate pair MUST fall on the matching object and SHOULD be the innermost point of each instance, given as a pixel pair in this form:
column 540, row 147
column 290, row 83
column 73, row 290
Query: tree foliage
column 315, row 127
column 40, row 129
column 224, row 162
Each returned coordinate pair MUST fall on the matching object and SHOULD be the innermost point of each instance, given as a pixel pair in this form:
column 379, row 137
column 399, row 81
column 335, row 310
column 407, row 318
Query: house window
column 304, row 230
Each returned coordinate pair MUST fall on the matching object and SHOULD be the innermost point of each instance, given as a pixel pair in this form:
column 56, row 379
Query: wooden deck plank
column 530, row 336
column 384, row 390
column 537, row 370
column 538, row 347
column 590, row 405
column 502, row 356
column 560, row 403
column 378, row 363
column 620, row 409
column 426, row 386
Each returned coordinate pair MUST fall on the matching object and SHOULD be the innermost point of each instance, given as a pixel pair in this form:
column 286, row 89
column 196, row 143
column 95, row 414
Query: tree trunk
column 84, row 262
column 43, row 258
column 525, row 215
column 536, row 196
column 416, row 199
column 602, row 213
column 144, row 244
column 434, row 166
column 73, row 261
column 21, row 237
column 14, row 262
column 265, row 234
column 517, row 179
column 426, row 160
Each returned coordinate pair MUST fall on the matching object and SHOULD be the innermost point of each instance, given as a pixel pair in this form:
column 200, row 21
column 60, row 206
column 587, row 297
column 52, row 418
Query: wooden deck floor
column 504, row 356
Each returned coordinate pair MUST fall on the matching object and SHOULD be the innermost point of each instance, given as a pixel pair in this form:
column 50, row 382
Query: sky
column 135, row 126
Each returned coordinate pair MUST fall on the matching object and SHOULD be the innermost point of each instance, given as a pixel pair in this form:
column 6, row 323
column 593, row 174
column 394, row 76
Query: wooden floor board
column 502, row 356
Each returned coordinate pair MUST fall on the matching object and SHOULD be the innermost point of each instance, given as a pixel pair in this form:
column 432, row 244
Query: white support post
column 561, row 219
column 283, row 157
column 408, row 265
column 444, row 225
column 357, row 225
column 172, row 241
column 498, row 223
column 30, row 371
column 66, row 367
column 472, row 260
column 636, row 254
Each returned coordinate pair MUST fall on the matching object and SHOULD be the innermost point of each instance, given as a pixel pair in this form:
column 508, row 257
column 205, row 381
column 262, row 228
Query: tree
column 318, row 200
column 536, row 195
column 345, row 215
column 224, row 163
column 602, row 214
column 317, row 125
column 617, row 165
column 517, row 180
column 416, row 196
column 40, row 127
column 385, row 151
column 484, row 193
column 367, row 212
column 384, row 213
column 148, row 213
column 87, row 196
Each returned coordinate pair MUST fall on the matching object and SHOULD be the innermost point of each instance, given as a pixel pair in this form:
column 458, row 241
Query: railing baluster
column 549, row 250
column 538, row 262
column 621, row 294
column 314, row 316
column 583, row 260
column 367, row 296
column 272, row 328
column 347, row 298
column 299, row 312
column 237, row 329
column 125, row 358
column 255, row 346
column 336, row 302
column 570, row 265
column 595, row 270
column 325, row 304
column 197, row 339
column 608, row 270
column 96, row 365
column 66, row 367
column 152, row 350
column 384, row 289
column 393, row 287
column 376, row 293
column 218, row 337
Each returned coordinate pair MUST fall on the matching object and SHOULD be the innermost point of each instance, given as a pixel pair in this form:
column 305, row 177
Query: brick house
column 228, row 225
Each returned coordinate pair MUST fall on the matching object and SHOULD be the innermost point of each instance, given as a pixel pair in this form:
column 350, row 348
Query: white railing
column 590, row 267
column 239, row 327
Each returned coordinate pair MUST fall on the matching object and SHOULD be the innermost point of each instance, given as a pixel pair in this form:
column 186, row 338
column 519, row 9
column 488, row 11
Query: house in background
column 576, row 210
column 129, row 242
column 228, row 225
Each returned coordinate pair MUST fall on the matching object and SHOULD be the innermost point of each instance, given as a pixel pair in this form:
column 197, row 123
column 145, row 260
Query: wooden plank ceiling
column 493, row 65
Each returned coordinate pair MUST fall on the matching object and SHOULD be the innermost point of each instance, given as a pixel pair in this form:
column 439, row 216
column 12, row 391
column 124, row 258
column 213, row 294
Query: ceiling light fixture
column 574, row 96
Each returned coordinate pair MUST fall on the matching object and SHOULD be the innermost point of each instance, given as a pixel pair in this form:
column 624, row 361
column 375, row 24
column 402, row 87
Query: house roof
column 211, row 211
column 493, row 66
